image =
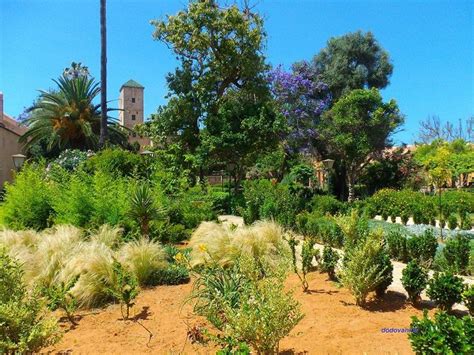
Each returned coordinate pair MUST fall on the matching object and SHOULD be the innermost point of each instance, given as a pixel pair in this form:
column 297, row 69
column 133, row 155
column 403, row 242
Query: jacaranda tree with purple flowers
column 301, row 98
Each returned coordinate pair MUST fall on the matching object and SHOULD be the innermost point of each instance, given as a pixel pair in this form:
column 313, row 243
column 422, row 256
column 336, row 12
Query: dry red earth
column 333, row 324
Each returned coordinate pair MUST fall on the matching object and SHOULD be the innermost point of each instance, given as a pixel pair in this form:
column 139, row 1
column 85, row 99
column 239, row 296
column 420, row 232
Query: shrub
column 396, row 245
column 326, row 204
column 405, row 217
column 27, row 202
column 116, row 162
column 307, row 255
column 468, row 298
column 70, row 159
column 60, row 297
column 452, row 221
column 445, row 334
column 324, row 229
column 387, row 276
column 445, row 289
column 423, row 248
column 24, row 325
column 414, row 280
column 456, row 252
column 142, row 208
column 329, row 261
column 363, row 271
column 124, row 289
column 265, row 315
column 171, row 275
column 466, row 222
column 143, row 258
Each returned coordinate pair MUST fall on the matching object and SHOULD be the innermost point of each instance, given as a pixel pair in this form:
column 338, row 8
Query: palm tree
column 103, row 74
column 67, row 118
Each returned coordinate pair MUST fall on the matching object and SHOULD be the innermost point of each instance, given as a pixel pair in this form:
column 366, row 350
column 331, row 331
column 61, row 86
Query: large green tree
column 357, row 128
column 218, row 96
column 353, row 61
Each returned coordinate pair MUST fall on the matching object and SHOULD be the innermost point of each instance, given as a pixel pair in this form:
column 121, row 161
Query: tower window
column 133, row 99
column 134, row 117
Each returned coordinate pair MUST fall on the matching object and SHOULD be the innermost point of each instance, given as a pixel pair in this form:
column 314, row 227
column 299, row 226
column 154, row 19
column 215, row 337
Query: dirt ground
column 333, row 324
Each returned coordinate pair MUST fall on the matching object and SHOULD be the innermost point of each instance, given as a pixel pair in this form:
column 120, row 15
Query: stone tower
column 131, row 109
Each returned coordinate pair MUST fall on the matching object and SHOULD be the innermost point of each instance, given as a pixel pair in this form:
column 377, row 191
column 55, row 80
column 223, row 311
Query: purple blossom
column 301, row 98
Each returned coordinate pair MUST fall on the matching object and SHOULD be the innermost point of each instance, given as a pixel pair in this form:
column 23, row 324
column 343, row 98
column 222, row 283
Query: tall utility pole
column 103, row 75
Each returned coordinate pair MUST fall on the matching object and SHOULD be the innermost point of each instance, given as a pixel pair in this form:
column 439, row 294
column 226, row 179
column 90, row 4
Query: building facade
column 10, row 132
column 131, row 110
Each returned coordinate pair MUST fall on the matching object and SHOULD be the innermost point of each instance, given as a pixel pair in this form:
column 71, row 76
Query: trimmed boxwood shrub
column 452, row 221
column 387, row 276
column 329, row 262
column 414, row 280
column 456, row 252
column 445, row 334
column 422, row 248
column 396, row 245
column 445, row 289
column 468, row 299
column 326, row 204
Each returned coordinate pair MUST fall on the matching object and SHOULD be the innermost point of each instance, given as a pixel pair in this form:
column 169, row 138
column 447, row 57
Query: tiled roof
column 132, row 84
column 12, row 125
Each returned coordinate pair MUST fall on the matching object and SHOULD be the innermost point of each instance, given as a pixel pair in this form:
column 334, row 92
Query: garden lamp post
column 328, row 164
column 18, row 160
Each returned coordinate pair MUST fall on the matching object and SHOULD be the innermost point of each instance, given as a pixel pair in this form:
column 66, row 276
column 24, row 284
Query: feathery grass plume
column 92, row 261
column 54, row 248
column 211, row 242
column 108, row 235
column 263, row 241
column 20, row 245
column 143, row 257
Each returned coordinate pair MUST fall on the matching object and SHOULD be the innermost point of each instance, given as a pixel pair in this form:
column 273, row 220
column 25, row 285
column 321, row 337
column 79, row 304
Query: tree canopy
column 358, row 127
column 353, row 61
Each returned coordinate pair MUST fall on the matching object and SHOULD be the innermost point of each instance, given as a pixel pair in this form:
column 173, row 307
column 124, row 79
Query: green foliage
column 71, row 159
column 414, row 280
column 324, row 229
column 362, row 111
column 330, row 259
column 468, row 299
column 387, row 277
column 66, row 117
column 59, row 296
column 266, row 313
column 124, row 289
column 24, row 325
column 267, row 200
column 308, row 253
column 423, row 248
column 27, row 202
column 452, row 221
column 445, row 334
column 456, row 253
column 171, row 275
column 341, row 61
column 445, row 289
column 142, row 208
column 364, row 268
column 396, row 245
column 116, row 162
column 326, row 204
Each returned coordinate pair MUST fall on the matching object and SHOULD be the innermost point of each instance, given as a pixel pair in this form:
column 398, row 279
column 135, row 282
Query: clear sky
column 431, row 44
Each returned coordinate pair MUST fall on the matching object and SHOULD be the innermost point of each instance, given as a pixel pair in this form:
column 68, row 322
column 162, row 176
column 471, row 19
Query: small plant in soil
column 414, row 280
column 307, row 255
column 329, row 262
column 124, row 289
column 445, row 289
column 59, row 296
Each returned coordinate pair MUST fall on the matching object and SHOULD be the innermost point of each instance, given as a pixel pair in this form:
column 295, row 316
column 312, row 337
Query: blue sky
column 431, row 44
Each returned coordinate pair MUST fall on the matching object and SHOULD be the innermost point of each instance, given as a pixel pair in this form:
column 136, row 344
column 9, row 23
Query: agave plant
column 67, row 118
column 143, row 208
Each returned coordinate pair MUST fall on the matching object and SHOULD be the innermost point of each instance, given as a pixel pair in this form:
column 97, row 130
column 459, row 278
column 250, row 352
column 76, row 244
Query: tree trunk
column 350, row 187
column 103, row 75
